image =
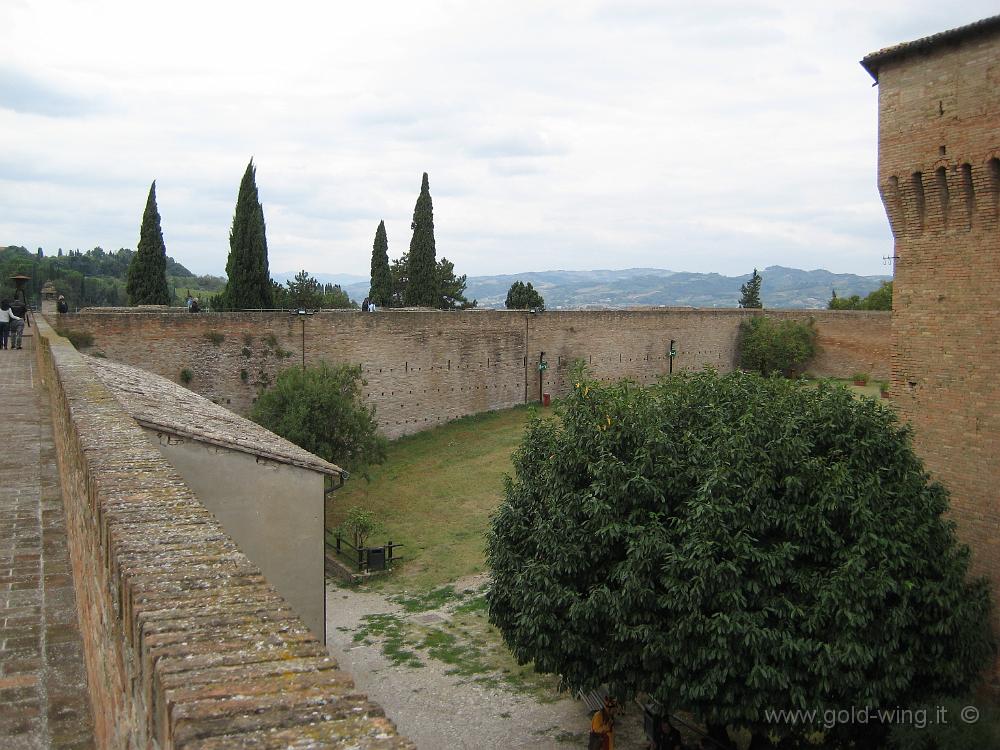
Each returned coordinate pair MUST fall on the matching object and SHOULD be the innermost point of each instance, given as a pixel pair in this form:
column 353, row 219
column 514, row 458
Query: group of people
column 192, row 304
column 602, row 730
column 13, row 319
column 368, row 305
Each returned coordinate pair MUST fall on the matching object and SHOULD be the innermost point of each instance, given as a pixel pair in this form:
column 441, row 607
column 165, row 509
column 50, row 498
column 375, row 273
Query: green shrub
column 771, row 346
column 215, row 338
column 186, row 376
column 860, row 378
column 320, row 409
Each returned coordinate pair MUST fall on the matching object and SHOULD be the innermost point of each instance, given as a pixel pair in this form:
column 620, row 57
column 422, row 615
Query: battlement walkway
column 43, row 679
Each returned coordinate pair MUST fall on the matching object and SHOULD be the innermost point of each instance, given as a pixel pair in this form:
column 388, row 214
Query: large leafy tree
column 147, row 272
column 249, row 285
column 751, row 292
column 523, row 296
column 380, row 291
column 732, row 546
column 320, row 409
column 422, row 286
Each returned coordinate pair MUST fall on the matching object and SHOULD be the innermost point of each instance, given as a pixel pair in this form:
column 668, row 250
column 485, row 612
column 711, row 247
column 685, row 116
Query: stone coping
column 187, row 644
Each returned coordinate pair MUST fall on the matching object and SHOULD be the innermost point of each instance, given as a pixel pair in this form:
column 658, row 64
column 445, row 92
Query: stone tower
column 939, row 178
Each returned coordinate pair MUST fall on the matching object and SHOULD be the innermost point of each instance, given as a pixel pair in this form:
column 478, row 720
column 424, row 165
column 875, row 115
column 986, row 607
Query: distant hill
column 782, row 288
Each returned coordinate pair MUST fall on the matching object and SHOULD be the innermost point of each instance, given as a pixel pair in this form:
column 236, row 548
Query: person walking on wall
column 6, row 318
column 19, row 318
column 61, row 305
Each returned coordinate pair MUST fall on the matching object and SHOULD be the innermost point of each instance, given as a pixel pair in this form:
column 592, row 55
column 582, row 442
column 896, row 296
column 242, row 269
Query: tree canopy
column 880, row 299
column 451, row 288
column 249, row 280
column 523, row 296
column 422, row 282
column 380, row 291
column 320, row 409
column 732, row 545
column 147, row 272
column 305, row 291
column 751, row 292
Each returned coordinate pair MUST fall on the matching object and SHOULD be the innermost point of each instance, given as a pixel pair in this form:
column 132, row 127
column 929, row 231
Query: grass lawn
column 435, row 493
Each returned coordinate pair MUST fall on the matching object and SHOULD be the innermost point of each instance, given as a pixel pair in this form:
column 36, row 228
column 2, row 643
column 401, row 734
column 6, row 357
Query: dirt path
column 441, row 710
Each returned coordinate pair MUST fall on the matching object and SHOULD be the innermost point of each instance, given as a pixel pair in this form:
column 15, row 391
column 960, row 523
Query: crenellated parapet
column 945, row 196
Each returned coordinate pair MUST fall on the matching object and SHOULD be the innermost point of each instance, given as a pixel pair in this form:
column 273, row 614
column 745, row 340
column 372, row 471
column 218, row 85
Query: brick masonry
column 423, row 368
column 939, row 177
column 186, row 644
column 44, row 700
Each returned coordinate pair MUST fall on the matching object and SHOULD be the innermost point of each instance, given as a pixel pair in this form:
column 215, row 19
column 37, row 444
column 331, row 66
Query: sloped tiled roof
column 874, row 61
column 157, row 403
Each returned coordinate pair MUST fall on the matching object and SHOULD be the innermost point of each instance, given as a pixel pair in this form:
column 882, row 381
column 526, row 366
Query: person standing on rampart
column 6, row 318
column 19, row 318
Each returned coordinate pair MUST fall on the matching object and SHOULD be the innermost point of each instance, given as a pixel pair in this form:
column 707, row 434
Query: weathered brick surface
column 186, row 644
column 423, row 368
column 43, row 684
column 939, row 176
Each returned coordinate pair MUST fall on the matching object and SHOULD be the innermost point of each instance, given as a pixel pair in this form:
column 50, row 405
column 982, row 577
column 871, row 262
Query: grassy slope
column 435, row 494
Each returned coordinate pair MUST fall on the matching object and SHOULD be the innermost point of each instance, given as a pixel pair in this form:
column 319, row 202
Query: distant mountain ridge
column 603, row 288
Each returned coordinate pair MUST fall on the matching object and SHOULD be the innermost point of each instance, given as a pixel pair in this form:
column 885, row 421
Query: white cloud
column 709, row 137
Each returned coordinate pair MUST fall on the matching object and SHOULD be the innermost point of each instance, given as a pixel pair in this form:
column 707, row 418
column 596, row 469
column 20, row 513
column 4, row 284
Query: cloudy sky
column 700, row 135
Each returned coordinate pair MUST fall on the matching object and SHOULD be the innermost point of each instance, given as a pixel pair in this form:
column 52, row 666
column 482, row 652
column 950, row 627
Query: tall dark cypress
column 249, row 284
column 146, row 283
column 422, row 288
column 381, row 285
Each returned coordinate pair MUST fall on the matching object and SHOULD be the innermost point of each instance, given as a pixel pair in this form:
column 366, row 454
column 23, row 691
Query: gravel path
column 439, row 710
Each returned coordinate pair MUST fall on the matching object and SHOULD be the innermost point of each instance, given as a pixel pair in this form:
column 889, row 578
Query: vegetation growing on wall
column 731, row 546
column 769, row 346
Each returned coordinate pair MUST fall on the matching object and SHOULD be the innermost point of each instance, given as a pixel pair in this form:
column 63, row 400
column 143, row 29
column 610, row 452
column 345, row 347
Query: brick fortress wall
column 423, row 368
column 186, row 644
column 939, row 177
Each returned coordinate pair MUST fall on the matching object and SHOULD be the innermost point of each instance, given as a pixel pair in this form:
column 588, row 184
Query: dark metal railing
column 366, row 558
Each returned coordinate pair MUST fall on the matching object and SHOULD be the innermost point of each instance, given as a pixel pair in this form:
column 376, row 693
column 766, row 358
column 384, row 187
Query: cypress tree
column 422, row 289
column 381, row 285
column 751, row 292
column 249, row 284
column 146, row 282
